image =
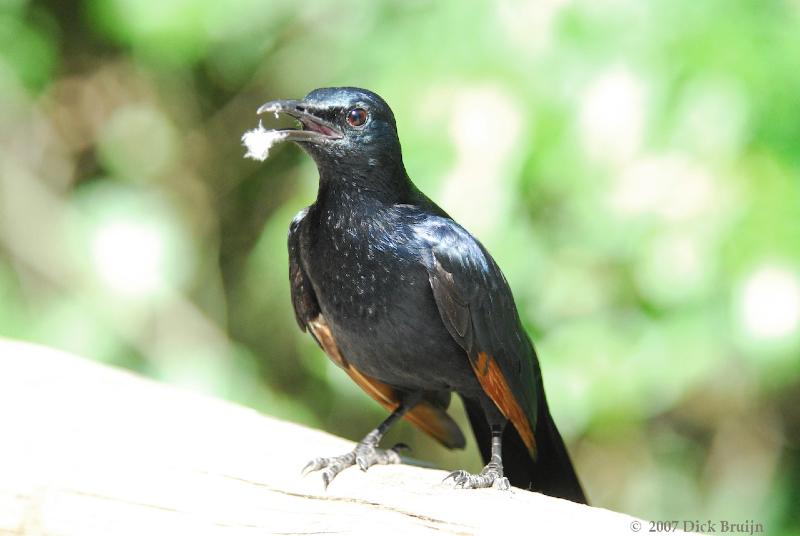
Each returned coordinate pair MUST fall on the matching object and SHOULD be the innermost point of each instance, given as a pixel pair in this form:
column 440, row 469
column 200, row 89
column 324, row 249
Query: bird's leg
column 491, row 475
column 366, row 454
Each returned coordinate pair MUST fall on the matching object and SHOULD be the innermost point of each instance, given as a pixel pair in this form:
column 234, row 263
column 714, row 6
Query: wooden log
column 88, row 450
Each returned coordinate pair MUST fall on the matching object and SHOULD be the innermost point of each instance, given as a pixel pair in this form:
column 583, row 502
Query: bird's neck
column 347, row 216
column 342, row 188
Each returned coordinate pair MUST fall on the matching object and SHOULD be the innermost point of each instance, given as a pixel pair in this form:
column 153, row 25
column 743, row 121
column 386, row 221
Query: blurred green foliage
column 633, row 166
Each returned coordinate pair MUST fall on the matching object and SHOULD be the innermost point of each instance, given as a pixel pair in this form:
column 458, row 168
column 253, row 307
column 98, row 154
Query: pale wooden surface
column 90, row 450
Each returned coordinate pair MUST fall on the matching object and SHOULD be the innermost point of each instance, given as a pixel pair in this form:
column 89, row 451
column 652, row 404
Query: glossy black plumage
column 409, row 303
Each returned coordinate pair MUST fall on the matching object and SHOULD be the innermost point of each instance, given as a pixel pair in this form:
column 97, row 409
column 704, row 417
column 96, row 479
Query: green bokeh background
column 633, row 166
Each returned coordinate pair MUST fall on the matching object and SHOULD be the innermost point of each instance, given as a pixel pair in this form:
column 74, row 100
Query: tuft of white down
column 260, row 140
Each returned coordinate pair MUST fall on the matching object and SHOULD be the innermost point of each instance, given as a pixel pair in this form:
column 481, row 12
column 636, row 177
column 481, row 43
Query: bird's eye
column 356, row 117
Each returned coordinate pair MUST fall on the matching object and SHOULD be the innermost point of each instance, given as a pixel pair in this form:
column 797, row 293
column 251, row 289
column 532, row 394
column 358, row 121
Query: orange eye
column 357, row 117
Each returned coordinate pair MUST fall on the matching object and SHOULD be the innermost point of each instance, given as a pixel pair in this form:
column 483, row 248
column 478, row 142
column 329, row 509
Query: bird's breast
column 360, row 274
column 374, row 292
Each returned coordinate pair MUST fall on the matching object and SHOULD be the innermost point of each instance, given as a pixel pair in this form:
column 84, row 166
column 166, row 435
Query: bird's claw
column 370, row 455
column 365, row 455
column 490, row 477
column 314, row 465
column 326, row 479
column 456, row 476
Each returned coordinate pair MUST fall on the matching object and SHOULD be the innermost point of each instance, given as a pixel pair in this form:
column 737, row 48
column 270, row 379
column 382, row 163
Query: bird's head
column 345, row 129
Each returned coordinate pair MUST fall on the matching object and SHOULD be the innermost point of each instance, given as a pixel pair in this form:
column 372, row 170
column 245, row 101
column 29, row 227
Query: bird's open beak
column 312, row 128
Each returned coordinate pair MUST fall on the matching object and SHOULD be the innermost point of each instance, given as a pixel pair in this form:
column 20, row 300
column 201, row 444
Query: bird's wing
column 477, row 307
column 426, row 415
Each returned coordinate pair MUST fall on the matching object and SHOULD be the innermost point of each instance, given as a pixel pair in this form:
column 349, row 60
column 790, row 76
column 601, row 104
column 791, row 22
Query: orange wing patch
column 322, row 332
column 495, row 385
column 430, row 419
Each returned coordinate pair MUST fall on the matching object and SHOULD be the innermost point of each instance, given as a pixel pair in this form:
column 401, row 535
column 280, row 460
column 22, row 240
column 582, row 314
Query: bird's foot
column 490, row 476
column 365, row 455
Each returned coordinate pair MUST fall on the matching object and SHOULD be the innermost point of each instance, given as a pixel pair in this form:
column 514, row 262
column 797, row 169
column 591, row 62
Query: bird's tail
column 550, row 473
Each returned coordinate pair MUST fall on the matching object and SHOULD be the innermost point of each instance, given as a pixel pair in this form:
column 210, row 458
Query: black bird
column 411, row 305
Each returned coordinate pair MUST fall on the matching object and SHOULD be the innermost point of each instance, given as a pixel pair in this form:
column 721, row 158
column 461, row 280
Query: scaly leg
column 491, row 475
column 366, row 454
